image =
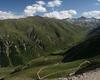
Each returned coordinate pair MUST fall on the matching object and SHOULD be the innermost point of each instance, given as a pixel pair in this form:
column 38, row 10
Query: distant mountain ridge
column 86, row 22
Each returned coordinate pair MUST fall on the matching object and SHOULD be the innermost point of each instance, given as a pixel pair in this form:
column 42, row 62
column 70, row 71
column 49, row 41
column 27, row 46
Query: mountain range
column 46, row 48
column 86, row 22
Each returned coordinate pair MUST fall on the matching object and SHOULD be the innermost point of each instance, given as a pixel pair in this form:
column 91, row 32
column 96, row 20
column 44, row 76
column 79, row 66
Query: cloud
column 54, row 3
column 28, row 11
column 61, row 14
column 35, row 8
column 9, row 15
column 97, row 3
column 41, row 2
column 40, row 7
column 89, row 14
column 98, row 0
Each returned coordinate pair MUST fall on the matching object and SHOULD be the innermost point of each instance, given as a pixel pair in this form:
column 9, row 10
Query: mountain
column 22, row 40
column 43, row 48
column 88, row 49
column 90, row 23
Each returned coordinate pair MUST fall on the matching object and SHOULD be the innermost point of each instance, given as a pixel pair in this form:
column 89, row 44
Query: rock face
column 91, row 75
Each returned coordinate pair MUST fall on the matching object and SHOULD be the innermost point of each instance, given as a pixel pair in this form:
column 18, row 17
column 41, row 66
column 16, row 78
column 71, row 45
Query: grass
column 43, row 61
column 5, row 71
column 54, row 69
column 33, row 67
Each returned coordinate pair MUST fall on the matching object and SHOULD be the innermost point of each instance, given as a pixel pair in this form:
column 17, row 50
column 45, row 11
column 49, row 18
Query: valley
column 41, row 48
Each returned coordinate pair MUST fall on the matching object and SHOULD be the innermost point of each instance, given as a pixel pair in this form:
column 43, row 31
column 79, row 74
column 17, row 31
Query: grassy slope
column 89, row 50
column 36, row 36
column 42, row 37
column 33, row 67
column 85, row 50
column 48, row 71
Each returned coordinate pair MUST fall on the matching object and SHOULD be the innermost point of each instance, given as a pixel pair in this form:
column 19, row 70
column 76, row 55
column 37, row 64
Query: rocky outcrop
column 91, row 75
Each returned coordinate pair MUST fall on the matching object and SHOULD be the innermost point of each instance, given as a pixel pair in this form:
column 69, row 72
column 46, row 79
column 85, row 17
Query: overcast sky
column 59, row 9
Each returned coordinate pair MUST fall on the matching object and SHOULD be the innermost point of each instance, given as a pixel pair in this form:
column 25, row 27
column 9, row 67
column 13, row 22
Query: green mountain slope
column 89, row 49
column 22, row 40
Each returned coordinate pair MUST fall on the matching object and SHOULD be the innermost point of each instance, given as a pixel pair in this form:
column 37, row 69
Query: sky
column 59, row 9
